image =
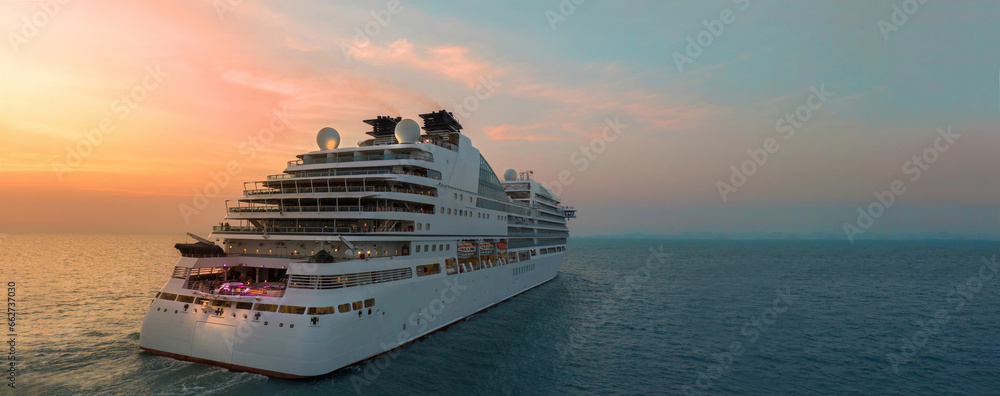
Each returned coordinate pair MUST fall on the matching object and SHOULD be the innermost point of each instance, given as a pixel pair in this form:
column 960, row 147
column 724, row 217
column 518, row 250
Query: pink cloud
column 451, row 62
column 515, row 132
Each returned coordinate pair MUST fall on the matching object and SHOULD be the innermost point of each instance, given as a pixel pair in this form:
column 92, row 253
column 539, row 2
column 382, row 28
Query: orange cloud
column 451, row 62
column 514, row 132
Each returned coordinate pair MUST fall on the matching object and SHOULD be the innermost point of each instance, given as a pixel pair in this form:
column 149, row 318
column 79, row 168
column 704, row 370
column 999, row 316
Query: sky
column 847, row 118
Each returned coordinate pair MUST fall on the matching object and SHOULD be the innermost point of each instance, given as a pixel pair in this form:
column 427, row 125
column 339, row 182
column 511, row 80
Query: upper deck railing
column 332, row 189
column 331, row 160
column 330, row 208
column 304, row 230
column 343, row 172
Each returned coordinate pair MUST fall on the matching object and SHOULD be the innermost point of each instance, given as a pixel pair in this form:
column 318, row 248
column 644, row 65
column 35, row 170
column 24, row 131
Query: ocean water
column 622, row 317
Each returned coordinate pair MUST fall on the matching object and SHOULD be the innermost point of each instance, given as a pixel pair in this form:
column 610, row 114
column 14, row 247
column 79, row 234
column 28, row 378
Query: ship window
column 266, row 307
column 418, row 248
column 185, row 299
column 344, row 308
column 533, row 252
column 434, row 248
column 460, row 196
column 168, row 296
column 470, row 199
column 427, row 226
column 442, row 210
column 425, row 248
column 321, row 310
column 244, row 305
column 356, row 305
column 222, row 303
column 420, row 226
column 291, row 309
column 369, row 303
column 456, row 195
column 448, row 246
column 429, row 269
column 449, row 210
column 441, row 247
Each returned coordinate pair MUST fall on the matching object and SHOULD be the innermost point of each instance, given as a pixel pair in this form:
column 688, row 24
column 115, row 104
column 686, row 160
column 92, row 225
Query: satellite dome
column 407, row 131
column 510, row 175
column 328, row 139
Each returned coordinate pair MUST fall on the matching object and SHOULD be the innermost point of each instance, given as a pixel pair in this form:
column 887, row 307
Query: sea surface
column 622, row 317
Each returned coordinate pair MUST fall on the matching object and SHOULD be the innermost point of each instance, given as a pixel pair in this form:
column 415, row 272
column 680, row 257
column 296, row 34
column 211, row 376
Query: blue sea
column 622, row 317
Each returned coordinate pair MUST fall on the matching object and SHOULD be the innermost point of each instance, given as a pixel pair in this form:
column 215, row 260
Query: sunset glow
column 115, row 115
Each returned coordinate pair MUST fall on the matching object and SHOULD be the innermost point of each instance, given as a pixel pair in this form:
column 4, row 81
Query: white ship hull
column 290, row 346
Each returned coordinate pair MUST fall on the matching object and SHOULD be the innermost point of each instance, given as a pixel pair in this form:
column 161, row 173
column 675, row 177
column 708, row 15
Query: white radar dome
column 510, row 175
column 328, row 139
column 407, row 131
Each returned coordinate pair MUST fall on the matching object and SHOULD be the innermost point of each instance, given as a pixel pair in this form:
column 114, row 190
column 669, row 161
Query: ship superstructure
column 351, row 252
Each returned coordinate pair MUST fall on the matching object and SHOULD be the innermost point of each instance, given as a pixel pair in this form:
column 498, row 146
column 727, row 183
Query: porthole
column 291, row 325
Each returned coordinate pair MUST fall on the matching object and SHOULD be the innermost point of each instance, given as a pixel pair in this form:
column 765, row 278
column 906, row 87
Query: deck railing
column 327, row 190
column 310, row 161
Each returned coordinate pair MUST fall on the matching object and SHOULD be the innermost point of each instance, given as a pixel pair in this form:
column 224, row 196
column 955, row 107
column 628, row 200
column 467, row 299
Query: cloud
column 451, row 62
column 514, row 132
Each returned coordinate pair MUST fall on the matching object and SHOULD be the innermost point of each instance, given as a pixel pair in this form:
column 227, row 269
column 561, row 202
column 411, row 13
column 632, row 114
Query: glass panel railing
column 330, row 190
column 351, row 173
column 311, row 161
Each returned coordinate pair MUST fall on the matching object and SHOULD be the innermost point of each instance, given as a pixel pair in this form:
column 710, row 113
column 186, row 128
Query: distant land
column 815, row 236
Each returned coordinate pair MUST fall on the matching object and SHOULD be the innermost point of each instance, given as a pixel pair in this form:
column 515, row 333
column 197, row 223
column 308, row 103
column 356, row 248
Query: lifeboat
column 502, row 245
column 466, row 250
column 486, row 248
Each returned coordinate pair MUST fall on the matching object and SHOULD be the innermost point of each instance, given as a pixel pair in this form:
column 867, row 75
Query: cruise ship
column 352, row 252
